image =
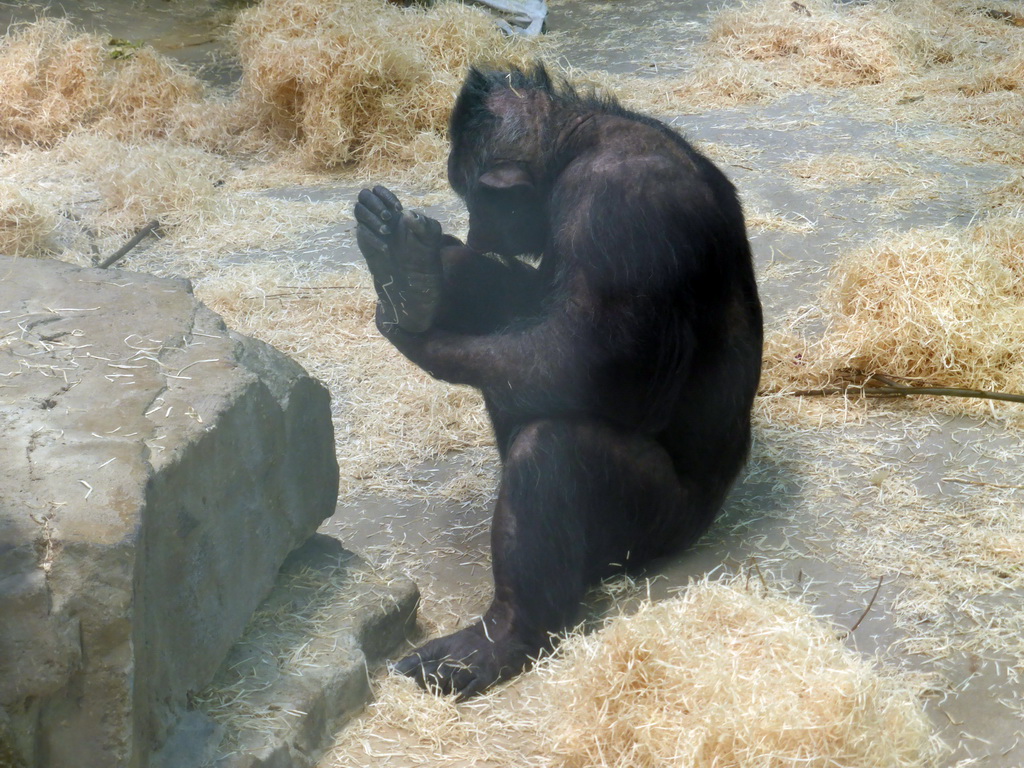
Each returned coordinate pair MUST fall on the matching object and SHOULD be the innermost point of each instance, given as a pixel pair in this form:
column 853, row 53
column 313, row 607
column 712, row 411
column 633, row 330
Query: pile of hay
column 834, row 44
column 362, row 81
column 721, row 676
column 724, row 676
column 26, row 224
column 941, row 305
column 818, row 41
column 345, row 82
column 56, row 80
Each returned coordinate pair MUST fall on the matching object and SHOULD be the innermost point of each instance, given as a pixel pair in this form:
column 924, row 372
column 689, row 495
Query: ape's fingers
column 425, row 229
column 372, row 246
column 373, row 206
column 388, row 198
column 380, row 202
column 374, row 221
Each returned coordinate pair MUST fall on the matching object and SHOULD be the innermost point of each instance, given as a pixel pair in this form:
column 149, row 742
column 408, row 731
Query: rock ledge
column 155, row 472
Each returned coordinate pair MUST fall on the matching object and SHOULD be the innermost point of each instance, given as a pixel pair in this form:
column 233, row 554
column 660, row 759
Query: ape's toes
column 439, row 672
column 471, row 688
column 410, row 666
column 464, row 664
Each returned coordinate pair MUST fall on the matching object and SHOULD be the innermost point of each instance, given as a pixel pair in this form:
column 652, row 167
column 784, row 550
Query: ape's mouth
column 481, row 244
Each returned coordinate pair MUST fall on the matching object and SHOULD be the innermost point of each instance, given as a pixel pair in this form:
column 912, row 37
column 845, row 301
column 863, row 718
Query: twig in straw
column 123, row 250
column 868, row 608
column 889, row 388
column 965, row 481
column 757, row 568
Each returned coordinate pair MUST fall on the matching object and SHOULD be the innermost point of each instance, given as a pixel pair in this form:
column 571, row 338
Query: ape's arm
column 484, row 294
column 604, row 336
column 570, row 360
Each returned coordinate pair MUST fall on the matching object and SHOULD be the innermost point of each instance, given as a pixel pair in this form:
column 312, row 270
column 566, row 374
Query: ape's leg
column 577, row 501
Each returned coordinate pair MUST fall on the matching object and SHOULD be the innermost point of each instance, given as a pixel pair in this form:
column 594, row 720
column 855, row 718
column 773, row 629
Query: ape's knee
column 537, row 441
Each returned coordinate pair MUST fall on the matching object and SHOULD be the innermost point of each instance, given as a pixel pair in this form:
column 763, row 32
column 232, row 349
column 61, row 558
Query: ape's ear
column 505, row 177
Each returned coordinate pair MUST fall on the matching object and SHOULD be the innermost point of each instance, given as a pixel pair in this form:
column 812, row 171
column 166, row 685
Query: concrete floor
column 769, row 517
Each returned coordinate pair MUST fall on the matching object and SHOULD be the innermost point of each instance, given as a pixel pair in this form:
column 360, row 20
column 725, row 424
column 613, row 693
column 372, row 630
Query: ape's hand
column 403, row 251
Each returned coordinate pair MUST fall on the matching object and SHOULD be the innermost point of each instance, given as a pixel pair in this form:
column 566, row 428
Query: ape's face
column 509, row 221
column 496, row 154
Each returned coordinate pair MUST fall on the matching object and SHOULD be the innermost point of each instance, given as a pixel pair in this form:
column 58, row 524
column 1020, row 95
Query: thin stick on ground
column 121, row 252
column 893, row 389
column 871, row 602
column 966, row 481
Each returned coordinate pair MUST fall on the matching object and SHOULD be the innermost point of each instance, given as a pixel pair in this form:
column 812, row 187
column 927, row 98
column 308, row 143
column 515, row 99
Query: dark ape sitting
column 618, row 373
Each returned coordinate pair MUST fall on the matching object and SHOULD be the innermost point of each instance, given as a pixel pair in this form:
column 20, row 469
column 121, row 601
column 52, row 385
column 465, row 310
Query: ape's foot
column 403, row 251
column 467, row 662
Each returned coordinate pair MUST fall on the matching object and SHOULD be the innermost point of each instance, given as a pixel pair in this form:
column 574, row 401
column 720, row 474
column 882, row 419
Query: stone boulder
column 155, row 471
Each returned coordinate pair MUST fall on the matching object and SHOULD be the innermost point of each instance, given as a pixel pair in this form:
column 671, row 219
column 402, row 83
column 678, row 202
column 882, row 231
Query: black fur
column 619, row 373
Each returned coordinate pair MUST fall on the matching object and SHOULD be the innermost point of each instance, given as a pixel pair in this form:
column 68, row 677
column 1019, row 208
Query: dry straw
column 343, row 82
column 922, row 59
column 830, row 44
column 368, row 83
column 815, row 42
column 941, row 305
column 56, row 80
column 390, row 416
column 208, row 206
column 292, row 633
column 860, row 485
column 1009, row 196
column 361, row 82
column 26, row 223
column 724, row 675
column 826, row 171
column 176, row 185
